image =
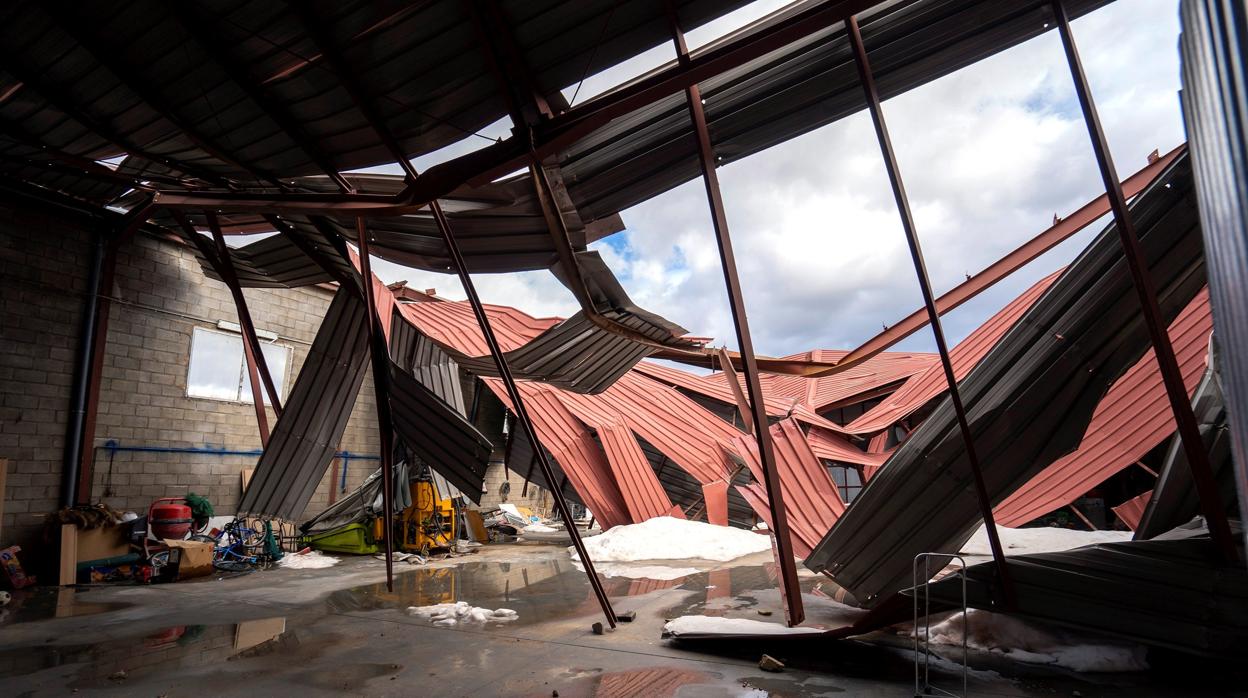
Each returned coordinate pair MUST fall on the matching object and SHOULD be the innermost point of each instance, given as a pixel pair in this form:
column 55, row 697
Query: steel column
column 792, row 592
column 522, row 413
column 1176, row 391
column 929, row 298
column 381, row 388
column 250, row 340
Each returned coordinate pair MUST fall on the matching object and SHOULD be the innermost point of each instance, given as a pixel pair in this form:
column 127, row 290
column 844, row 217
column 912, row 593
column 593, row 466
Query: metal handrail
column 922, row 680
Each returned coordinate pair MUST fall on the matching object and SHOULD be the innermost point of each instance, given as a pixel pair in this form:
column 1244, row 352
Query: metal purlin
column 1176, row 391
column 925, row 285
column 791, row 590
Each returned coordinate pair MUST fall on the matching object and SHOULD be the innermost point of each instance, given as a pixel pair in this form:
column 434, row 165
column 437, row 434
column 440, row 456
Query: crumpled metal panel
column 1215, row 108
column 1029, row 400
column 811, row 501
column 1173, row 499
column 1166, row 592
column 315, row 415
column 439, row 436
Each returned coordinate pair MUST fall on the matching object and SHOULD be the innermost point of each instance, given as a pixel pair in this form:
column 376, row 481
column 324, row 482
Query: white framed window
column 218, row 371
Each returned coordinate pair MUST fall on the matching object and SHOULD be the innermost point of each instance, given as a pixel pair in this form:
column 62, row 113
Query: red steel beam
column 791, row 591
column 1045, row 241
column 1172, row 377
column 863, row 64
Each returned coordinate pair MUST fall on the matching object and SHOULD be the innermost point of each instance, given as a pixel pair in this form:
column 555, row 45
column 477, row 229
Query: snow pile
column 448, row 614
column 1024, row 541
column 1024, row 642
column 538, row 528
column 669, row 538
column 311, row 560
column 714, row 625
column 627, row 570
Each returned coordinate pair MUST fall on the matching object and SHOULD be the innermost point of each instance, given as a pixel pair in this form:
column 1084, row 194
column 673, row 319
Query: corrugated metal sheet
column 832, row 446
column 1174, row 500
column 642, row 492
column 1049, row 372
column 931, row 383
column 1160, row 593
column 437, row 434
column 306, row 436
column 246, row 91
column 1132, row 419
column 791, row 91
column 1131, row 511
column 582, row 461
column 811, row 501
column 430, row 365
column 1215, row 109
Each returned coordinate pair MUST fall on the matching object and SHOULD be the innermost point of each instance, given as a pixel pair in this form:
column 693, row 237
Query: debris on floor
column 448, row 614
column 770, row 663
column 310, row 560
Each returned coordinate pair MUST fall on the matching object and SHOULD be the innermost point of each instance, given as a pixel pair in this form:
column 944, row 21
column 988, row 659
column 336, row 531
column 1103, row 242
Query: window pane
column 852, row 478
column 216, row 365
column 277, row 357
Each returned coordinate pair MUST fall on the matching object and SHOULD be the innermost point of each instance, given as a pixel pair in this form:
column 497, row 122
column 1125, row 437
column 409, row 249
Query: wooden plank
column 4, row 478
column 69, row 555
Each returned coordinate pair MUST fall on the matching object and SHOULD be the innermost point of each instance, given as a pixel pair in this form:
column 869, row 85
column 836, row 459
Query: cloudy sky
column 988, row 155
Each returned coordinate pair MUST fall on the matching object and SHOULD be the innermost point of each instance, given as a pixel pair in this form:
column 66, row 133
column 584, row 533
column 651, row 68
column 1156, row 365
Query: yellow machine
column 429, row 523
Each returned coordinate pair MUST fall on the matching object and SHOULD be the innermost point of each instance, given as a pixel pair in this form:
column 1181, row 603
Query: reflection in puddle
column 39, row 603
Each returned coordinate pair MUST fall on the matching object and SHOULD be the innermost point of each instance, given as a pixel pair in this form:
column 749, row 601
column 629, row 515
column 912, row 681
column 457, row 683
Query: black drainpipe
column 82, row 377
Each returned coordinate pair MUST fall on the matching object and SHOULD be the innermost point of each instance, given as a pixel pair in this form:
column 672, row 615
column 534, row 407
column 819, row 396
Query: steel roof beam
column 791, row 590
column 239, row 73
column 1163, row 349
column 863, row 63
column 68, row 19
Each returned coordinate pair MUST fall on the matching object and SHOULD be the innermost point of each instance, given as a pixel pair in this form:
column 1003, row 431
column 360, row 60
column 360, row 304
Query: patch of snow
column 449, row 614
column 669, row 538
column 629, row 570
column 1025, row 642
column 1023, row 541
column 714, row 625
column 311, row 560
column 539, row 528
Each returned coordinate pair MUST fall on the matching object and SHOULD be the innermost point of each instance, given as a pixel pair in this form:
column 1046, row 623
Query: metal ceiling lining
column 1167, row 592
column 922, row 387
column 811, row 499
column 1213, row 44
column 439, row 436
column 805, row 85
column 1131, row 420
column 1049, row 372
column 274, row 262
column 1173, row 499
column 306, row 436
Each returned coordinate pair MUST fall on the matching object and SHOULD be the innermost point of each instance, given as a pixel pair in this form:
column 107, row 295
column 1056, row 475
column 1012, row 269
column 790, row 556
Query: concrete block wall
column 160, row 297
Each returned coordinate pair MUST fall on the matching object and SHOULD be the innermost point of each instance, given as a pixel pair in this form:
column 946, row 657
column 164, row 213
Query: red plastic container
column 169, row 518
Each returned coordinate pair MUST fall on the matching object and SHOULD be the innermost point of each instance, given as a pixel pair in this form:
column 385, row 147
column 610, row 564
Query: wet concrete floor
column 339, row 631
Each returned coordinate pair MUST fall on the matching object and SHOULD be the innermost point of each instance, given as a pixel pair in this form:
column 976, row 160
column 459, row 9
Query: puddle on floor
column 538, row 591
column 40, row 603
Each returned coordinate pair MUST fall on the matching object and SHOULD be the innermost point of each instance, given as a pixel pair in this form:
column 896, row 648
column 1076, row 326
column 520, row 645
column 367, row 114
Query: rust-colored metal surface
column 812, row 501
column 1132, row 419
column 1131, row 511
column 931, row 383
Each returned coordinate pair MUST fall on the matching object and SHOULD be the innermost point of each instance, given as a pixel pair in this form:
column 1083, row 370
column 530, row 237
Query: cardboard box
column 194, row 557
column 102, row 543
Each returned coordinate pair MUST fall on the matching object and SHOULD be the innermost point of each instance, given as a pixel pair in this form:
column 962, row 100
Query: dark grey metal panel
column 434, row 368
column 307, row 434
column 1166, row 592
column 437, row 434
column 1174, row 501
column 575, row 355
column 1029, row 400
column 1214, row 48
column 799, row 88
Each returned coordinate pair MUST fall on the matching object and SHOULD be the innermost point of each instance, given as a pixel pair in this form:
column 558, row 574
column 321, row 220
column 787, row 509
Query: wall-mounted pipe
column 113, row 446
column 82, row 377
